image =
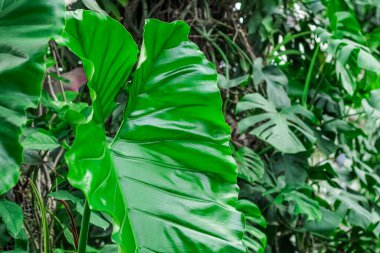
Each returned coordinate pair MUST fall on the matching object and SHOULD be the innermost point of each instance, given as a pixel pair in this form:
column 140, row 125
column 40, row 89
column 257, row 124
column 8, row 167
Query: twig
column 52, row 93
column 54, row 52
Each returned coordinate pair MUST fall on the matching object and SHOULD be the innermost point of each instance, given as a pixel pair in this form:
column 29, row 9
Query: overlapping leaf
column 348, row 46
column 25, row 29
column 250, row 165
column 254, row 239
column 275, row 80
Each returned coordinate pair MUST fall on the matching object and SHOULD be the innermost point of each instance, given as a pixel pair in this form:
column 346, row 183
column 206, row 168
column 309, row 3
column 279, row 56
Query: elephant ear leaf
column 168, row 179
column 24, row 39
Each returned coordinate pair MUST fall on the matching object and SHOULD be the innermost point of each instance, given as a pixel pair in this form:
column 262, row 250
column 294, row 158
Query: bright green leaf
column 172, row 148
column 107, row 64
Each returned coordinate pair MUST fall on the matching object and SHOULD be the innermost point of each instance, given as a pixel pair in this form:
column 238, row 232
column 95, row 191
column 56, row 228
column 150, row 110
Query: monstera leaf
column 275, row 80
column 275, row 127
column 250, row 165
column 254, row 239
column 168, row 178
column 24, row 39
column 350, row 56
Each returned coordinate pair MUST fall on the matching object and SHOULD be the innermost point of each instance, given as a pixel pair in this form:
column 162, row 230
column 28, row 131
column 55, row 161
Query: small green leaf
column 224, row 83
column 303, row 204
column 64, row 195
column 40, row 139
column 12, row 217
column 93, row 5
column 254, row 239
column 328, row 223
column 349, row 207
column 95, row 218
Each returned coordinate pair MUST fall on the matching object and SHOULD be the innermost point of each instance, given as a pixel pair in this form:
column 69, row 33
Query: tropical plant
column 172, row 145
column 141, row 160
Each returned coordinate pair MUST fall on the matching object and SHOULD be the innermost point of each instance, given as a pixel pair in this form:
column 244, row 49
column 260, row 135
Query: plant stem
column 55, row 55
column 85, row 226
column 45, row 227
column 308, row 77
column 342, row 117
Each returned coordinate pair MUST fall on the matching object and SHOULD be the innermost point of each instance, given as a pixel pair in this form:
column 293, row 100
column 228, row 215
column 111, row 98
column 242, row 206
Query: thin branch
column 54, row 52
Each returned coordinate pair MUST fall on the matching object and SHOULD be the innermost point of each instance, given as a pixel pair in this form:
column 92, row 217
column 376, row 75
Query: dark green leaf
column 250, row 166
column 329, row 223
column 12, row 217
column 276, row 83
column 293, row 166
column 21, row 72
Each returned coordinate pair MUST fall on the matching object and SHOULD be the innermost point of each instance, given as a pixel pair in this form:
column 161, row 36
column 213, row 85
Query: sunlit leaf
column 172, row 147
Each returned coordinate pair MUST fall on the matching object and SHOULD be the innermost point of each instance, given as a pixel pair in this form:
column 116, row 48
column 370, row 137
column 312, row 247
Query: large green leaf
column 275, row 127
column 168, row 179
column 25, row 29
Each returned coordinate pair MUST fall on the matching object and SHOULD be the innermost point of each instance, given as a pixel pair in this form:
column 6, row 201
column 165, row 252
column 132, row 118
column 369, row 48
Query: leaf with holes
column 278, row 128
column 254, row 239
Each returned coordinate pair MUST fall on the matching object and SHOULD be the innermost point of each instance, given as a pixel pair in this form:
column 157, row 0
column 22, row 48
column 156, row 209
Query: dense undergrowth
column 130, row 125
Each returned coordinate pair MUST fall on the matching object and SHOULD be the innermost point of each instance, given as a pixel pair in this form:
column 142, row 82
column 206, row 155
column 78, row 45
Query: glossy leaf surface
column 25, row 29
column 107, row 64
column 168, row 179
